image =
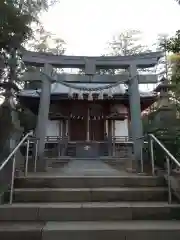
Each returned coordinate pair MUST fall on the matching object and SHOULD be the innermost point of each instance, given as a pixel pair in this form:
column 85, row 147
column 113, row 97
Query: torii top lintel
column 143, row 60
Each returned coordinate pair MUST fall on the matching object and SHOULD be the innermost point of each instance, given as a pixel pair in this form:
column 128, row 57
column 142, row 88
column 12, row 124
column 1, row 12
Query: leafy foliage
column 45, row 41
column 17, row 23
column 127, row 43
column 164, row 121
column 173, row 44
column 16, row 27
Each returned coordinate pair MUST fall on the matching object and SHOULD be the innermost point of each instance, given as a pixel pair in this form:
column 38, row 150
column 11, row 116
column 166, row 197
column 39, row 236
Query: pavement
column 76, row 167
column 88, row 168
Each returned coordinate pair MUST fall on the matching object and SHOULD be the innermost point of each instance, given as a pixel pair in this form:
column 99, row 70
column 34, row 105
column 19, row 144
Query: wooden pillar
column 110, row 136
column 60, row 138
column 67, row 127
column 63, row 132
column 129, row 125
column 63, row 128
column 88, row 127
column 106, row 127
column 109, row 128
column 113, row 130
column 59, row 127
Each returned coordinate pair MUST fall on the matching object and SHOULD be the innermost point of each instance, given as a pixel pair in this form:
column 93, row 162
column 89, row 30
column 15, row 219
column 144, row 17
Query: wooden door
column 77, row 130
column 78, row 121
column 96, row 128
column 96, row 122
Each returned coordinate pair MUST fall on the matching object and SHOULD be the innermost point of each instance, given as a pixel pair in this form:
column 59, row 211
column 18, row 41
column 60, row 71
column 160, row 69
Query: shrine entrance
column 96, row 129
column 87, row 130
column 96, row 122
column 77, row 129
column 89, row 126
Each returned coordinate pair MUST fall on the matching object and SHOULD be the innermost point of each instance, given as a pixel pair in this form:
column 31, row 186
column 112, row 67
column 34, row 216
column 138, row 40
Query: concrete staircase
column 90, row 208
column 57, row 163
column 71, row 150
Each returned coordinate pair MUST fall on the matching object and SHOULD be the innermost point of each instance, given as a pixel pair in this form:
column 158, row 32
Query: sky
column 87, row 25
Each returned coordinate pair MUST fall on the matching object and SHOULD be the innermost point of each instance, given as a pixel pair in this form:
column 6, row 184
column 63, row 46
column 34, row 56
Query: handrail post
column 152, row 156
column 114, row 147
column 169, row 180
column 27, row 158
column 12, row 180
column 36, row 155
column 142, row 163
column 59, row 146
column 12, row 156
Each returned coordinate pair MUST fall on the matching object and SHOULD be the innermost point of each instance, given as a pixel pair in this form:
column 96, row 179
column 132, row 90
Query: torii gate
column 91, row 64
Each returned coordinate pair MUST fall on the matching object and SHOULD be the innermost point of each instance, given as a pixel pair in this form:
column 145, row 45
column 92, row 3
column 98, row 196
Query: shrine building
column 82, row 116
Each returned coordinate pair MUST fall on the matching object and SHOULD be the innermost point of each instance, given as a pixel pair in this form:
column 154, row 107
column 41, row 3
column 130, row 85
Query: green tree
column 18, row 18
column 126, row 43
column 173, row 46
column 164, row 121
column 44, row 41
column 16, row 27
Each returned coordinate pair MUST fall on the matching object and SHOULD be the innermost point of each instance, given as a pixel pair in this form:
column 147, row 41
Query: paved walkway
column 84, row 168
column 88, row 168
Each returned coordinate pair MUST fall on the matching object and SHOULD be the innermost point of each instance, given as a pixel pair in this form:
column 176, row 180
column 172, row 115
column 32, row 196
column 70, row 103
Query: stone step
column 119, row 230
column 123, row 230
column 56, row 163
column 21, row 230
column 38, row 181
column 96, row 211
column 89, row 194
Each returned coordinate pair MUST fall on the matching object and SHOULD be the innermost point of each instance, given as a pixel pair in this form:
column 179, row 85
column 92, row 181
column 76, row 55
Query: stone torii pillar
column 135, row 112
column 43, row 116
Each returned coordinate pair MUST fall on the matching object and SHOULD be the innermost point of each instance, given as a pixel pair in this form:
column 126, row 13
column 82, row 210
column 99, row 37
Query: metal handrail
column 14, row 151
column 169, row 157
column 13, row 154
column 165, row 150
